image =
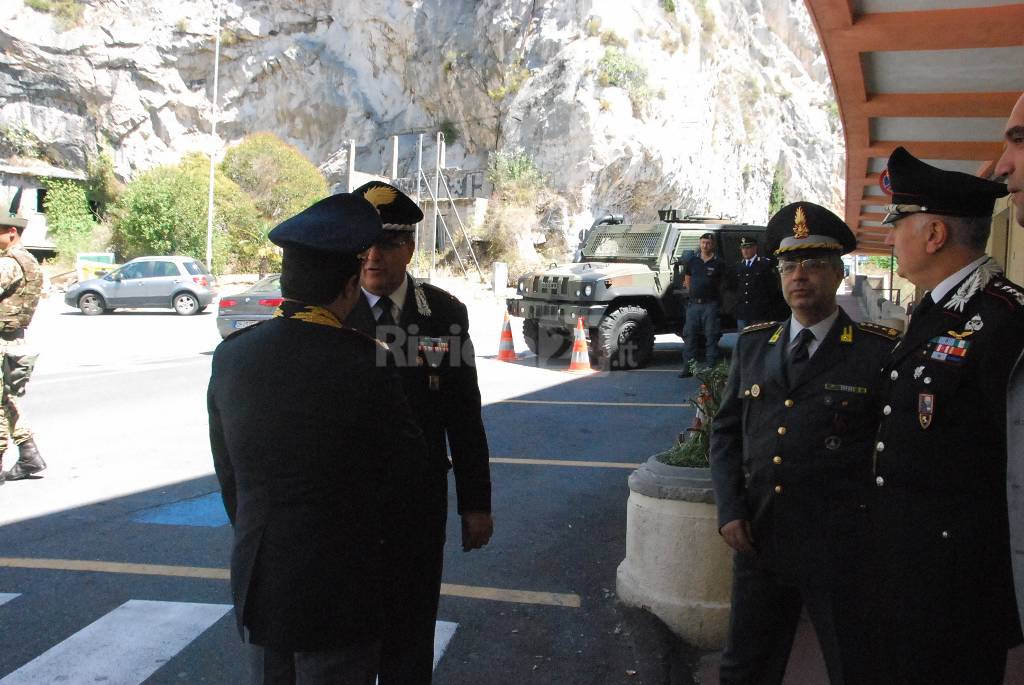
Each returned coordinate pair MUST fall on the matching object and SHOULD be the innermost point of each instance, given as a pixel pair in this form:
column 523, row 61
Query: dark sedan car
column 249, row 307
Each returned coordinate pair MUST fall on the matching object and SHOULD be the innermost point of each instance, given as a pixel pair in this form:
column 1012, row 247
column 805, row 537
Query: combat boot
column 29, row 461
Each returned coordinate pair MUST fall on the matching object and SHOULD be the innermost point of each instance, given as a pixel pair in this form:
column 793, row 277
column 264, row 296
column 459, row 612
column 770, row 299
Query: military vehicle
column 626, row 283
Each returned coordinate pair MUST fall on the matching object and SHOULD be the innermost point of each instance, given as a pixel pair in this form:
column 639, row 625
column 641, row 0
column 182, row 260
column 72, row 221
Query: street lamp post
column 213, row 139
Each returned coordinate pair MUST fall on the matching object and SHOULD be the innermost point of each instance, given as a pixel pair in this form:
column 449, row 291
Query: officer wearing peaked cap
column 319, row 460
column 757, row 285
column 946, row 605
column 428, row 330
column 790, row 457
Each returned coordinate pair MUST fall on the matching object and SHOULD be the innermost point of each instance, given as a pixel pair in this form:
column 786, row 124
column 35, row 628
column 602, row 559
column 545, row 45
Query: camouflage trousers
column 17, row 369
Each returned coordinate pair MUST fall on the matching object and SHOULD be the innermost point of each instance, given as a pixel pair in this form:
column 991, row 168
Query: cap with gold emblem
column 397, row 210
column 342, row 224
column 919, row 187
column 804, row 226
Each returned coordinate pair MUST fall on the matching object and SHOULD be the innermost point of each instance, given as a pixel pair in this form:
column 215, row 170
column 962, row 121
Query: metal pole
column 419, row 173
column 437, row 210
column 213, row 140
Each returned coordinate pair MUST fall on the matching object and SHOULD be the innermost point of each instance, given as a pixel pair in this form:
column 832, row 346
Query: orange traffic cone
column 580, row 361
column 506, row 348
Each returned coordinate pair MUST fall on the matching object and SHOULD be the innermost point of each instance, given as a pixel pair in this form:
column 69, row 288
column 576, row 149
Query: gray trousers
column 355, row 665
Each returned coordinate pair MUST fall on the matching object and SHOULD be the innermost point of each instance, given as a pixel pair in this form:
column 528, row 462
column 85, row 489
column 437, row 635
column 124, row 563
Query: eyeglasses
column 811, row 264
column 896, row 212
column 388, row 244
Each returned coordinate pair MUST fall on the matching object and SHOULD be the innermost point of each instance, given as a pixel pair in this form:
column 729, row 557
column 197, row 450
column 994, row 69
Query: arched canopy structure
column 938, row 77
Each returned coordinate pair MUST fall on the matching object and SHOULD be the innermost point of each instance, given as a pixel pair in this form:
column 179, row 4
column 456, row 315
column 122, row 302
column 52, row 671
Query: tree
column 777, row 195
column 163, row 212
column 68, row 219
column 281, row 181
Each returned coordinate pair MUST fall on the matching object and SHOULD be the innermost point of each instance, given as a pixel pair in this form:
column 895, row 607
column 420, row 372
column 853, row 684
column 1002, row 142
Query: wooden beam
column 948, row 29
column 940, row 104
column 938, row 149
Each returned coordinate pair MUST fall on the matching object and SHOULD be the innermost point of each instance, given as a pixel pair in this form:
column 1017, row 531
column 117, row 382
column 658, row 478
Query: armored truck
column 626, row 284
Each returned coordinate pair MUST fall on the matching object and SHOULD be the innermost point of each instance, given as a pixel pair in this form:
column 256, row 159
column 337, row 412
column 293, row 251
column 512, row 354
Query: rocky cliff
column 624, row 106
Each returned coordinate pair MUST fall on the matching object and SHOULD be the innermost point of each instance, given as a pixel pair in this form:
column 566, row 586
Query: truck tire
column 543, row 342
column 626, row 338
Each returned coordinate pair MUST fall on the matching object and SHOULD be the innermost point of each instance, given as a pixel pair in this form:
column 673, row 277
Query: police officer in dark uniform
column 319, row 459
column 428, row 330
column 757, row 285
column 703, row 277
column 946, row 609
column 790, row 457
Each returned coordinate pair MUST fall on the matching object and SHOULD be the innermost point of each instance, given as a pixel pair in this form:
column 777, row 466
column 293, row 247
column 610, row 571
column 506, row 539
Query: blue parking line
column 205, row 511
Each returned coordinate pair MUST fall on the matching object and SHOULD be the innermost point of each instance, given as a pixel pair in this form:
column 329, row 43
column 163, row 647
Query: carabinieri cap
column 919, row 187
column 804, row 226
column 397, row 210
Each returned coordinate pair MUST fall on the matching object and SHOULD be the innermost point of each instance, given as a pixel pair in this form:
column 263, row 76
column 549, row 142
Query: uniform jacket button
column 880, row 446
column 778, row 489
column 789, row 403
column 776, row 459
column 894, row 375
column 887, row 410
column 879, row 481
column 945, row 535
column 782, row 430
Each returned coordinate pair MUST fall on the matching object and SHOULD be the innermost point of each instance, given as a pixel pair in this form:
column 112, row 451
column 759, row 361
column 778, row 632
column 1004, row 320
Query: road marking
column 6, row 597
column 516, row 596
column 567, row 462
column 207, row 573
column 205, row 511
column 124, row 647
column 597, row 404
column 443, row 633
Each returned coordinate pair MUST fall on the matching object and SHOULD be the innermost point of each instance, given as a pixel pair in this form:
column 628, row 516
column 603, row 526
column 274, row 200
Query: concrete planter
column 677, row 566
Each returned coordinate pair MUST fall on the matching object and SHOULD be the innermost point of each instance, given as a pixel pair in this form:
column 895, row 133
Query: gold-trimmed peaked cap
column 808, row 226
column 397, row 210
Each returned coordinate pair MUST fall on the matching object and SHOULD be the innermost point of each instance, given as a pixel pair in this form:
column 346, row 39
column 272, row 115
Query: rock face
column 717, row 94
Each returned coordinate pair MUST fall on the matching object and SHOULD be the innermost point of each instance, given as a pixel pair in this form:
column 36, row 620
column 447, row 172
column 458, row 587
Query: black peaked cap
column 937, row 191
column 808, row 226
column 397, row 210
column 340, row 224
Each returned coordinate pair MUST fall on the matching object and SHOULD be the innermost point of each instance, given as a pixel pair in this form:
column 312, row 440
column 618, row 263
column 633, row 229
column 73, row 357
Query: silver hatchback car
column 179, row 283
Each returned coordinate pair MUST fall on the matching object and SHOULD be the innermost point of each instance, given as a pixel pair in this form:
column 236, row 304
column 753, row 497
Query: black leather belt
column 704, row 300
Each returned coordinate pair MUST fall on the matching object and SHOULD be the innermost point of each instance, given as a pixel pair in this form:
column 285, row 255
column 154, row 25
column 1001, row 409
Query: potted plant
column 677, row 566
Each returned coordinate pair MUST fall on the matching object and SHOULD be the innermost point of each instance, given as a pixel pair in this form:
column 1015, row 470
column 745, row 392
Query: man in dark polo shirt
column 702, row 278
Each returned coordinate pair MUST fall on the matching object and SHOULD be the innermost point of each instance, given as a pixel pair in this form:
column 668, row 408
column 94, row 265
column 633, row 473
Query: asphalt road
column 113, row 564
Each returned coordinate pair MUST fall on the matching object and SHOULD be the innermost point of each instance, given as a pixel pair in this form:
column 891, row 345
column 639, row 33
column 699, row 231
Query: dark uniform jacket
column 437, row 365
column 757, row 290
column 794, row 459
column 940, row 472
column 315, row 448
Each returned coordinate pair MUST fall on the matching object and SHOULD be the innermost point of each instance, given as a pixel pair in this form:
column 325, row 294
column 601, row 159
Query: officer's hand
column 737, row 535
column 477, row 527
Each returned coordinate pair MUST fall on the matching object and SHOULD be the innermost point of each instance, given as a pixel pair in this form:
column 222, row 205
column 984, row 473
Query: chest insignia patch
column 918, row 371
column 846, row 388
column 755, row 390
column 775, row 336
column 975, row 324
column 925, row 409
column 847, row 335
column 433, row 350
column 947, row 348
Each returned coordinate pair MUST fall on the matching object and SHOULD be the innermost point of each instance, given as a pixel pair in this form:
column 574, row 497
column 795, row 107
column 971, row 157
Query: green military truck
column 626, row 284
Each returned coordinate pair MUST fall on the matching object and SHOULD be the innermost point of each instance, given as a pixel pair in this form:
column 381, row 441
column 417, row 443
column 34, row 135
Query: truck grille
column 550, row 285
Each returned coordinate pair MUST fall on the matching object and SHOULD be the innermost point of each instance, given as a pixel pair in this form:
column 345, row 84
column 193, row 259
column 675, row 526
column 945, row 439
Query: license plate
column 243, row 324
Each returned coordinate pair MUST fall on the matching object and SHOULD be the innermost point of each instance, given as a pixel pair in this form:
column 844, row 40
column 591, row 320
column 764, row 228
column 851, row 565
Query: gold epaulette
column 884, row 331
column 759, row 326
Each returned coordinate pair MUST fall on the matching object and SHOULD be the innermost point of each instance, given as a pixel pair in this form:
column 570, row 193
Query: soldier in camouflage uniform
column 21, row 283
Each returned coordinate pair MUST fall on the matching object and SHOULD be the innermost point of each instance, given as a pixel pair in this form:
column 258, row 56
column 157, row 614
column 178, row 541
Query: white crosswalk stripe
column 123, row 647
column 127, row 645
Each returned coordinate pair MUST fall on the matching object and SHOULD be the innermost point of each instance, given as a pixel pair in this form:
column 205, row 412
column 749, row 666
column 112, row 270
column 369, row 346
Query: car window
column 270, row 284
column 137, row 270
column 195, row 268
column 165, row 269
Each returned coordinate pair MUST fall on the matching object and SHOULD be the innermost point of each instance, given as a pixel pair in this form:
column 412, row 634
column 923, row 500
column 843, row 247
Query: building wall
column 1007, row 241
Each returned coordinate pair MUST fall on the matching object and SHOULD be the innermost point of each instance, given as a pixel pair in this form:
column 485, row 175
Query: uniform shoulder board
column 886, row 332
column 1008, row 291
column 763, row 326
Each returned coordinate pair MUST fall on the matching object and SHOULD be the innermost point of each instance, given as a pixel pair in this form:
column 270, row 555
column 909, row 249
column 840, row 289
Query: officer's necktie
column 385, row 318
column 799, row 355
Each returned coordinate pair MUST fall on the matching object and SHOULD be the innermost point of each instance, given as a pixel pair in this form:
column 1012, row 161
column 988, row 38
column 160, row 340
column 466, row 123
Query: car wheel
column 201, row 309
column 626, row 338
column 543, row 342
column 186, row 304
column 92, row 304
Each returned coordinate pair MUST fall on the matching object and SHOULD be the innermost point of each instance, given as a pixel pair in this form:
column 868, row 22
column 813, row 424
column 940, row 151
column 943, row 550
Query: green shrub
column 777, row 195
column 694, row 445
column 66, row 13
column 448, row 130
column 616, row 68
column 102, row 184
column 163, row 212
column 512, row 79
column 515, row 177
column 706, row 16
column 16, row 140
column 69, row 220
column 277, row 176
column 612, row 39
column 592, row 27
column 669, row 6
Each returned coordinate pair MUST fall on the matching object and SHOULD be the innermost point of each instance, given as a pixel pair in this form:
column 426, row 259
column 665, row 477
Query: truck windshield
column 623, row 245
